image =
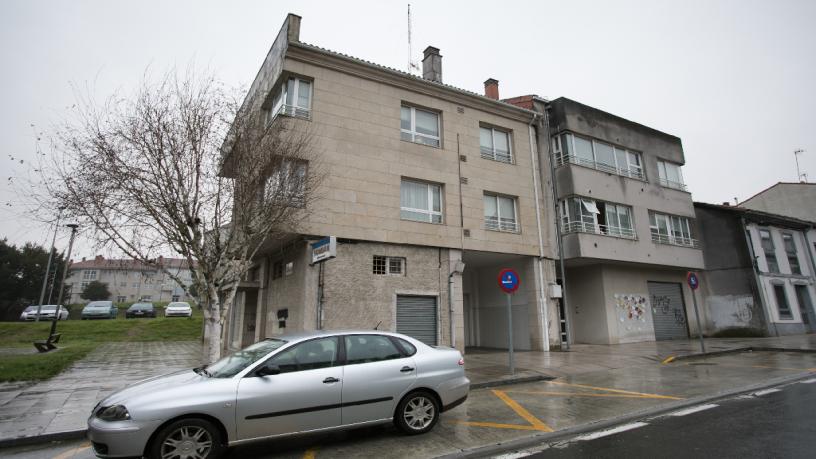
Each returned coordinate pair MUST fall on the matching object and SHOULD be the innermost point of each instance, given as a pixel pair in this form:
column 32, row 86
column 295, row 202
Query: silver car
column 290, row 384
column 47, row 312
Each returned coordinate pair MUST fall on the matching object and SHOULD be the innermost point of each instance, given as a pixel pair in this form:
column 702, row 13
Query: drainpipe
column 760, row 285
column 543, row 310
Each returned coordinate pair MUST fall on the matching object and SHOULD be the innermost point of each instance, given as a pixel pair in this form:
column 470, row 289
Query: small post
column 510, row 331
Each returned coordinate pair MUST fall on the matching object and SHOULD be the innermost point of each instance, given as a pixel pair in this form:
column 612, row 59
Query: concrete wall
column 796, row 200
column 586, row 305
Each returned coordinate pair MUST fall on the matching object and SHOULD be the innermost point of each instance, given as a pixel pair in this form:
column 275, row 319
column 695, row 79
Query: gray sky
column 735, row 80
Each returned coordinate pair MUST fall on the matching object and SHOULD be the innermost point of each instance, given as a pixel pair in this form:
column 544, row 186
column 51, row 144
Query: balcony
column 633, row 172
column 496, row 155
column 672, row 184
column 603, row 230
column 508, row 225
column 675, row 240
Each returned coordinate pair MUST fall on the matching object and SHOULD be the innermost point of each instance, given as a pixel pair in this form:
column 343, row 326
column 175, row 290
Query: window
column 147, row 297
column 495, row 144
column 590, row 216
column 671, row 229
column 782, row 302
column 419, row 126
column 407, row 348
column 770, row 251
column 310, row 355
column 123, row 284
column 388, row 265
column 370, row 348
column 89, row 274
column 121, row 299
column 569, row 148
column 84, row 284
column 500, row 213
column 421, row 202
column 287, row 183
column 174, row 298
column 790, row 250
column 277, row 270
column 289, row 268
column 293, row 98
column 670, row 175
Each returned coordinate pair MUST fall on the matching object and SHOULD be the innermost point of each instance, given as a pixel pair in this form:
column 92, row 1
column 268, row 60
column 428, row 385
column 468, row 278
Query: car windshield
column 31, row 309
column 233, row 364
column 178, row 305
column 141, row 306
column 99, row 304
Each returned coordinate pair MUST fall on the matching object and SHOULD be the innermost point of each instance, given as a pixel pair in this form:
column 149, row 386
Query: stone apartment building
column 759, row 271
column 129, row 280
column 626, row 221
column 430, row 191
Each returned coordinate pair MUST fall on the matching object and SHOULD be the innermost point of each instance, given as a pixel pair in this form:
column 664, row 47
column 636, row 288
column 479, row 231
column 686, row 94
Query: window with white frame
column 420, row 201
column 671, row 229
column 419, row 126
column 495, row 144
column 570, row 148
column 388, row 265
column 292, row 98
column 500, row 213
column 782, row 304
column 790, row 251
column 670, row 175
column 89, row 274
column 769, row 249
column 590, row 216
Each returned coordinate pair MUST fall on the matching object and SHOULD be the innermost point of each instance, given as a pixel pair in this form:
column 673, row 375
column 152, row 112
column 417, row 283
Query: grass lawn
column 79, row 337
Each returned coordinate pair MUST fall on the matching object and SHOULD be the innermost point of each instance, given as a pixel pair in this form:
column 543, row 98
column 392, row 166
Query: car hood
column 154, row 386
column 178, row 308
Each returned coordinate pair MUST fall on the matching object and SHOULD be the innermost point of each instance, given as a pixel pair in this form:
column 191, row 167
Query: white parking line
column 613, row 431
column 808, row 381
column 693, row 409
column 765, row 392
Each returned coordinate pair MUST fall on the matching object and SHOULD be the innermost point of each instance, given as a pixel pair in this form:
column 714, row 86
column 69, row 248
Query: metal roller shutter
column 668, row 311
column 416, row 317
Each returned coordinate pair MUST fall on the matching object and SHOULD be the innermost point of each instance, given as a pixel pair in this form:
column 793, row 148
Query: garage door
column 416, row 317
column 668, row 311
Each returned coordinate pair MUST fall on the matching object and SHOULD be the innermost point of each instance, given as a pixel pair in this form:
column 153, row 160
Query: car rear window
column 407, row 347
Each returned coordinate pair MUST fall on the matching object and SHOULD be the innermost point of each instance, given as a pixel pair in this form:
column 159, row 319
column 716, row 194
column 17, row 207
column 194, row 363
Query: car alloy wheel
column 188, row 439
column 417, row 413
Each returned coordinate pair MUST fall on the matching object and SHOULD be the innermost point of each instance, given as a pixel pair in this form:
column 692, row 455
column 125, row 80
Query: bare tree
column 182, row 168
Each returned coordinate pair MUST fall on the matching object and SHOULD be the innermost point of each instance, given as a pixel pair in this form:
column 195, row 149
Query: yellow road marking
column 607, row 389
column 496, row 425
column 668, row 359
column 534, row 421
column 768, row 367
column 73, row 452
column 310, row 453
column 588, row 394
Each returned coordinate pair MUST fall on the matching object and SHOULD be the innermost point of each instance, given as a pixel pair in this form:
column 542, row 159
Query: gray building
column 759, row 271
column 626, row 221
column 796, row 200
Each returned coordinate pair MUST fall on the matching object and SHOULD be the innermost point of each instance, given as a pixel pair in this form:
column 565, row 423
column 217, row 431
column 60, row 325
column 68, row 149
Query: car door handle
column 330, row 380
column 406, row 369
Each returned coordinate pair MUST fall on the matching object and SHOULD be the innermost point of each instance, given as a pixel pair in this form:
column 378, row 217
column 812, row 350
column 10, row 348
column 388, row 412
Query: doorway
column 805, row 307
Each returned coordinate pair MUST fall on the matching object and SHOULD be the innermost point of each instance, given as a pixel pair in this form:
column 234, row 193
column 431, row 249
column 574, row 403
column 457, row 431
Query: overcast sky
column 735, row 80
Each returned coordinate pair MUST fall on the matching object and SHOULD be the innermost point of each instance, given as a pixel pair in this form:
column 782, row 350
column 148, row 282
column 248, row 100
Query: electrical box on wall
column 555, row 291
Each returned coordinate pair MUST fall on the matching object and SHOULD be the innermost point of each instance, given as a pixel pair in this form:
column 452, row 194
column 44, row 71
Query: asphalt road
column 775, row 424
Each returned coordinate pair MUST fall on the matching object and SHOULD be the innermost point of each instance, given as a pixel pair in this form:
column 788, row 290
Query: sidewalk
column 60, row 406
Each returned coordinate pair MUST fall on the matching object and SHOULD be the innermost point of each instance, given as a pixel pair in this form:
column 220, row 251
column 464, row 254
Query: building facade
column 430, row 191
column 129, row 280
column 759, row 271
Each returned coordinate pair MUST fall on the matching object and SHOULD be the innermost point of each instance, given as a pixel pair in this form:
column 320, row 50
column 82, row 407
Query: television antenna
column 412, row 64
column 800, row 176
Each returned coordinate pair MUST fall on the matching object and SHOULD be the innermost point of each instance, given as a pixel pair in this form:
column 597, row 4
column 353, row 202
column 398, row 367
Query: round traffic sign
column 509, row 280
column 693, row 280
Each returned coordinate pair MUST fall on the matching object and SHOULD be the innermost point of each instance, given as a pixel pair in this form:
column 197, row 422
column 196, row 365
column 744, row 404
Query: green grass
column 79, row 337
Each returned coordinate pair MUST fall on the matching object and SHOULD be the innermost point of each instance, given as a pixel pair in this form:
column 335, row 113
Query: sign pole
column 694, row 282
column 510, row 332
column 509, row 283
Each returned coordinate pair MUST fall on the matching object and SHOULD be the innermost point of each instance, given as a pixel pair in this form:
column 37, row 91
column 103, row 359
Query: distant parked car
column 140, row 310
column 178, row 309
column 100, row 310
column 47, row 312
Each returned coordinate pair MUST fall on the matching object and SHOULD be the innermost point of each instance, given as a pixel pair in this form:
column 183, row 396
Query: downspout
column 542, row 294
column 760, row 285
column 558, row 237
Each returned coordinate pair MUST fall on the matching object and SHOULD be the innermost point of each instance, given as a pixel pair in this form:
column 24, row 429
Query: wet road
column 498, row 415
column 770, row 423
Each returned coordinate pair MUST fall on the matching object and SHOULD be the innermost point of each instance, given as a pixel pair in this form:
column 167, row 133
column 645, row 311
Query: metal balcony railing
column 501, row 224
column 496, row 155
column 671, row 184
column 295, row 111
column 635, row 173
column 604, row 230
column 675, row 240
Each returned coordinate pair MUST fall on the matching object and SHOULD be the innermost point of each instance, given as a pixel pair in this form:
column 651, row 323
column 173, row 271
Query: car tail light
column 461, row 362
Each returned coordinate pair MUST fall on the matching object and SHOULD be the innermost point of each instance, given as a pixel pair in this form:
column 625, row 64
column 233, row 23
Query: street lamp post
column 73, row 227
column 48, row 267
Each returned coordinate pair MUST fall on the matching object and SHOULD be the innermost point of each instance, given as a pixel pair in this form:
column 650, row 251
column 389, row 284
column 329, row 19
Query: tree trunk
column 213, row 325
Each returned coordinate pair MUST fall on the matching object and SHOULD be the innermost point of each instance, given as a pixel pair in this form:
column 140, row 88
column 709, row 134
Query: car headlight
column 113, row 413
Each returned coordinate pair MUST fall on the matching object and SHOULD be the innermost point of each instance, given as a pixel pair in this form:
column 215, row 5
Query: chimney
column 83, row 258
column 726, row 204
column 99, row 258
column 293, row 27
column 432, row 64
column 492, row 88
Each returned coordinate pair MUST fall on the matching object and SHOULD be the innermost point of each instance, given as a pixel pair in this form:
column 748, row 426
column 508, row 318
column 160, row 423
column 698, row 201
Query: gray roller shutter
column 416, row 317
column 668, row 311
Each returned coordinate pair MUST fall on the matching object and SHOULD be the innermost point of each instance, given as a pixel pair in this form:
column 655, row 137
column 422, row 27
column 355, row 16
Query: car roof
column 304, row 335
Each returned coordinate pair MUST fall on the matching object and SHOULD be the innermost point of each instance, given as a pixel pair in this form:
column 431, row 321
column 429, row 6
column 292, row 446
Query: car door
column 304, row 396
column 375, row 375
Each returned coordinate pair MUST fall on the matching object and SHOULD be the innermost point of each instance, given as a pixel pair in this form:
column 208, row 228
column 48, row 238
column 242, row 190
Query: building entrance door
column 250, row 315
column 805, row 307
column 668, row 311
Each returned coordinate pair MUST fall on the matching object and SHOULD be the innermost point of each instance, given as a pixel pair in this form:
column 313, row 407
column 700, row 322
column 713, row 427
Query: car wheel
column 188, row 438
column 417, row 413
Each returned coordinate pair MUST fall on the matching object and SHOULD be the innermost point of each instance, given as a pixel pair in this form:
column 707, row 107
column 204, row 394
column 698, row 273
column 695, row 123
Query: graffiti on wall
column 727, row 311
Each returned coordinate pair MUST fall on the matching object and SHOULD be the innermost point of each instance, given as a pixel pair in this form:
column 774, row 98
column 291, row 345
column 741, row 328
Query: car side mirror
column 268, row 370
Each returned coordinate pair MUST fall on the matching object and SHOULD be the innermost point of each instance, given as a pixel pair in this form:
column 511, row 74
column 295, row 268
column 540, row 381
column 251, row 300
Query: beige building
column 429, row 189
column 129, row 280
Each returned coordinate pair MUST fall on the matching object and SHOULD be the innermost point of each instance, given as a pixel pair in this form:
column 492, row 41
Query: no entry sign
column 508, row 280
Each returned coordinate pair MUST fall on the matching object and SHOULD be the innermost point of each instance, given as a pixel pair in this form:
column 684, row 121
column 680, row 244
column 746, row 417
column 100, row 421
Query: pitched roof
column 758, row 215
column 774, row 186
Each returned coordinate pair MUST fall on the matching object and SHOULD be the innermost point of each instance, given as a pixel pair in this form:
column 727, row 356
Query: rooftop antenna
column 412, row 65
column 800, row 176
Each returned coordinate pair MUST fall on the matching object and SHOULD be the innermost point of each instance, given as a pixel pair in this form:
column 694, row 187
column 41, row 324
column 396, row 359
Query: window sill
column 421, row 221
column 423, row 144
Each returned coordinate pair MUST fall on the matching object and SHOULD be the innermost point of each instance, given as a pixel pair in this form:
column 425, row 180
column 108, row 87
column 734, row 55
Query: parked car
column 100, row 310
column 47, row 312
column 298, row 383
column 178, row 309
column 140, row 310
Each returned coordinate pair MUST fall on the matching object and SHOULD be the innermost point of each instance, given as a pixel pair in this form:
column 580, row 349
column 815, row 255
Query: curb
column 743, row 349
column 44, row 438
column 553, row 437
